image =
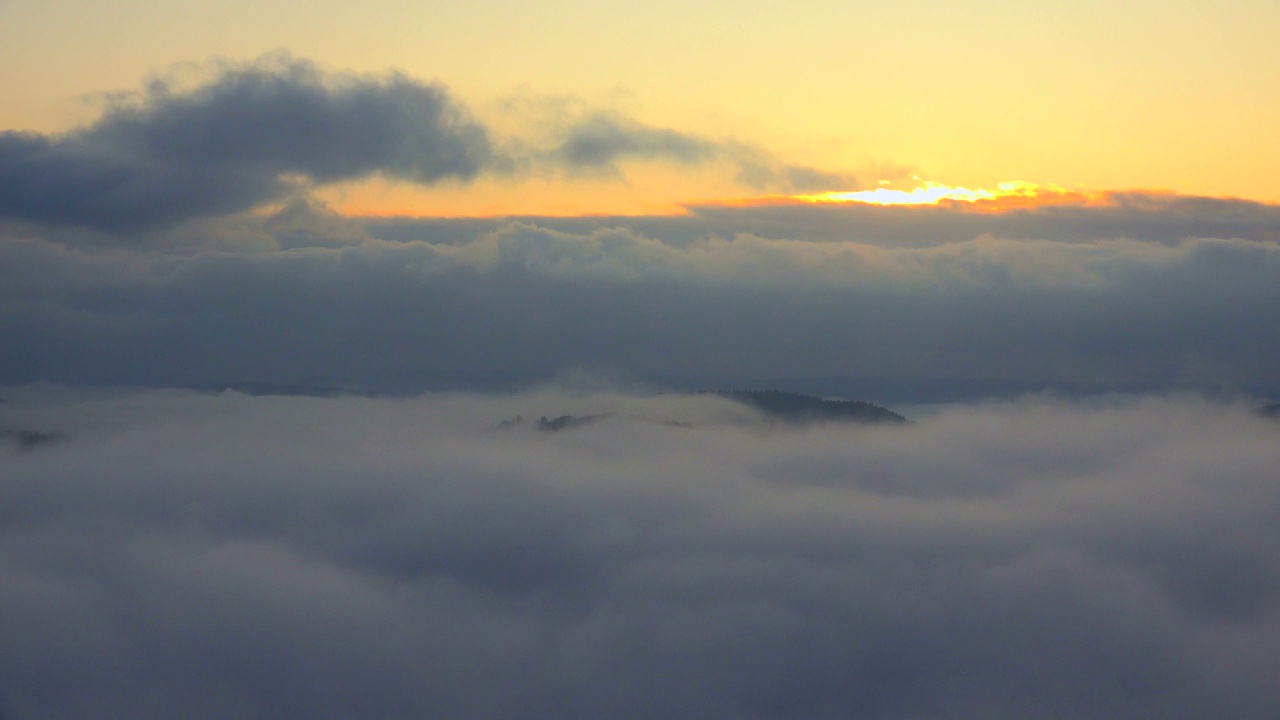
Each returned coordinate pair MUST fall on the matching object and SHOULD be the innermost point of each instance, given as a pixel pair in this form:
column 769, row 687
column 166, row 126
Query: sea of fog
column 175, row 554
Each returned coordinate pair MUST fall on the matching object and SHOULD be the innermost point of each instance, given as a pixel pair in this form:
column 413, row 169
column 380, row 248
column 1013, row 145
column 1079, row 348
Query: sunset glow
column 1007, row 195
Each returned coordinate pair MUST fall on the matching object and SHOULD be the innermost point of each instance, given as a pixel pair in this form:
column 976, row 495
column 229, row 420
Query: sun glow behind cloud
column 928, row 193
column 1006, row 196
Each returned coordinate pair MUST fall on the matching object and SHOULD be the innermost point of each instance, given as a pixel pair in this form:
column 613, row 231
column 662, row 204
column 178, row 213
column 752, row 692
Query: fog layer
column 212, row 556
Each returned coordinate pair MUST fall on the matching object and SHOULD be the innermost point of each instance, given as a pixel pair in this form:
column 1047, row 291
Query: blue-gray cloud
column 244, row 138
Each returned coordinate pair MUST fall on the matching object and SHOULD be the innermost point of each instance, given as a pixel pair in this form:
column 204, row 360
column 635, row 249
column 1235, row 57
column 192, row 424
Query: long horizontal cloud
column 528, row 301
column 235, row 142
column 216, row 556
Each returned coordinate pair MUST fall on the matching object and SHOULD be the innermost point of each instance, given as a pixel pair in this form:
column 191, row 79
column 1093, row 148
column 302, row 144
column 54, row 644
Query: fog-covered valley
column 267, row 557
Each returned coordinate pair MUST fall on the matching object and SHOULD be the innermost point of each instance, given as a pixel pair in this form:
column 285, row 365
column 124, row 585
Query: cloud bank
column 215, row 556
column 529, row 301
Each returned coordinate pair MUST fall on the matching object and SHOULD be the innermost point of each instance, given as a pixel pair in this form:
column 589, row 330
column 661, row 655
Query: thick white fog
column 170, row 554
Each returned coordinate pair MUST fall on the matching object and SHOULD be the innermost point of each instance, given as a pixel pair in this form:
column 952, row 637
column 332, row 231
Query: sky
column 276, row 278
column 1179, row 96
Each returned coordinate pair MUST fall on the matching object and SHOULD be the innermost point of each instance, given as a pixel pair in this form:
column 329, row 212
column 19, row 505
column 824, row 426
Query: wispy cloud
column 602, row 141
column 599, row 142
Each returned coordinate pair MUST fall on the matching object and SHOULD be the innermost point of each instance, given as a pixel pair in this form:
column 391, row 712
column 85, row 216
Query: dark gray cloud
column 215, row 556
column 248, row 136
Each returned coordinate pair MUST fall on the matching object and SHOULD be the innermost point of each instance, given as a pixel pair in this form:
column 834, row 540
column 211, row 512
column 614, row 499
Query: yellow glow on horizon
column 659, row 192
column 1007, row 196
column 647, row 191
column 928, row 193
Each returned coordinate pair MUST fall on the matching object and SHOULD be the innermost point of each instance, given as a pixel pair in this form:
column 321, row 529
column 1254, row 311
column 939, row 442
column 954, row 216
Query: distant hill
column 794, row 407
column 29, row 439
column 1270, row 411
column 556, row 424
column 567, row 422
column 259, row 389
column 773, row 404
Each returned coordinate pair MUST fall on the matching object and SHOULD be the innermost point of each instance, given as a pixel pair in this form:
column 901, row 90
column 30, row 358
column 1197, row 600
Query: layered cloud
column 1160, row 217
column 524, row 301
column 216, row 556
column 1155, row 217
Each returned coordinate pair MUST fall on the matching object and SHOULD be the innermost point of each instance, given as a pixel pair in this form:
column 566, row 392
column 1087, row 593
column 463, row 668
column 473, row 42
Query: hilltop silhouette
column 798, row 408
column 775, row 405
